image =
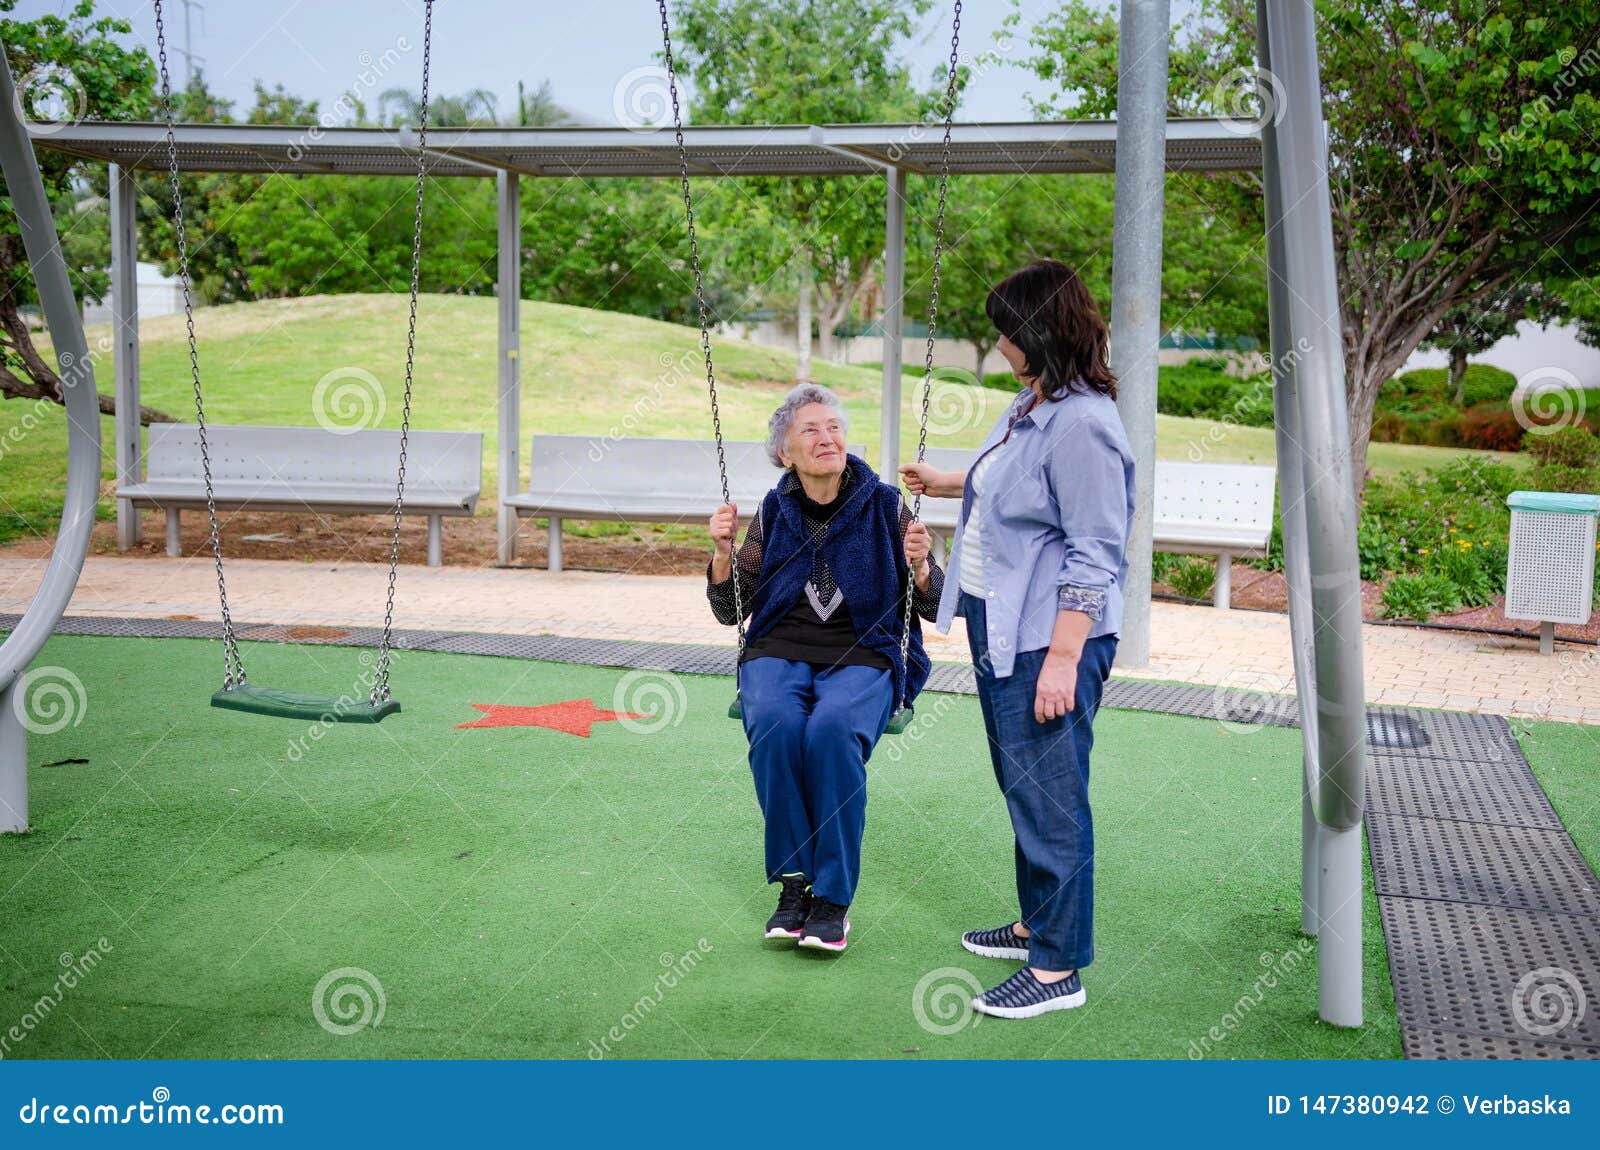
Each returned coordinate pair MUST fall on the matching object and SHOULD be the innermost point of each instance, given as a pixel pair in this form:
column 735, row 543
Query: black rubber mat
column 1495, row 972
column 1441, row 789
column 1453, row 1044
column 1526, row 867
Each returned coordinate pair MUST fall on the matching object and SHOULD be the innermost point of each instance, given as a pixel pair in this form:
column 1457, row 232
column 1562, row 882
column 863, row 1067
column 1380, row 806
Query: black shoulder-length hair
column 1046, row 310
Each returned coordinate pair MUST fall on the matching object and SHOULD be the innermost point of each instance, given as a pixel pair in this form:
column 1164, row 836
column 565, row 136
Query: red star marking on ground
column 575, row 716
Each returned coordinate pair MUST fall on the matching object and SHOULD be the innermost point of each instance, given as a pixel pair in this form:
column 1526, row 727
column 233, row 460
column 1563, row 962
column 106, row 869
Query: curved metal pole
column 38, row 229
column 1330, row 507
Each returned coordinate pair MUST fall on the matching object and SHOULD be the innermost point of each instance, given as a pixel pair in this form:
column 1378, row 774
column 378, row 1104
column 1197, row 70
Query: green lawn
column 583, row 372
column 520, row 892
column 1564, row 757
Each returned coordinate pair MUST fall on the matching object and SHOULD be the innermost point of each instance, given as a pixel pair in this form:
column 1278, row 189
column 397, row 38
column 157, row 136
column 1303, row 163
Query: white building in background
column 1533, row 352
column 158, row 295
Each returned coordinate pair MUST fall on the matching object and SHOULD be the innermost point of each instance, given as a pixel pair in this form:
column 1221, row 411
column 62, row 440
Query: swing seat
column 297, row 705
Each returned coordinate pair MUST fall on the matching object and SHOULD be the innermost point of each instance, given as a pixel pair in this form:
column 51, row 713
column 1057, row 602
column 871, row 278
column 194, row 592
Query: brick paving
column 1404, row 666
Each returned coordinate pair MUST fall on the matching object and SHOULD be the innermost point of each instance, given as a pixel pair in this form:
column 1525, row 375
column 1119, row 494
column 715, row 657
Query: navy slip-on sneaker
column 1024, row 996
column 1002, row 942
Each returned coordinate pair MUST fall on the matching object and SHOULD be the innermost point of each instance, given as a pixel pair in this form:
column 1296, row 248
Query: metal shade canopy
column 1043, row 148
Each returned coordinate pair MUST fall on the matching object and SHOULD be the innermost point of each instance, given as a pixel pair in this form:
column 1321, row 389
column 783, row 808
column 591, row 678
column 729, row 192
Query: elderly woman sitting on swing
column 822, row 576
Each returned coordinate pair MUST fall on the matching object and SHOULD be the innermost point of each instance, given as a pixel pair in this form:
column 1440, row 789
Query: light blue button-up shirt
column 1057, row 508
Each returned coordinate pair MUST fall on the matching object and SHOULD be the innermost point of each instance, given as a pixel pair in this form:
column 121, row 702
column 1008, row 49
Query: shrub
column 1419, row 597
column 1489, row 427
column 1565, row 460
column 1193, row 577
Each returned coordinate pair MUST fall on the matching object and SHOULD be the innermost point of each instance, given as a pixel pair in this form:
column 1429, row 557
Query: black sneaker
column 1002, row 942
column 826, row 926
column 794, row 904
column 1024, row 996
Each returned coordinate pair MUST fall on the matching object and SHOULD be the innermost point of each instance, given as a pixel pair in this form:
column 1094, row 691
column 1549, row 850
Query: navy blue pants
column 811, row 733
column 1043, row 771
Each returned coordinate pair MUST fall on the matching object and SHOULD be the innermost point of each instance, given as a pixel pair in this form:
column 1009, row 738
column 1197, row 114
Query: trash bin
column 1550, row 574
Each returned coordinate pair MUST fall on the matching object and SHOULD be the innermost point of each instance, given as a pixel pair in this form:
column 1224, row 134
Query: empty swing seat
column 294, row 705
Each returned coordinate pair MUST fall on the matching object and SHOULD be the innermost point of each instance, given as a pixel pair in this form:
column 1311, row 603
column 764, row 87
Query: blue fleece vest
column 864, row 551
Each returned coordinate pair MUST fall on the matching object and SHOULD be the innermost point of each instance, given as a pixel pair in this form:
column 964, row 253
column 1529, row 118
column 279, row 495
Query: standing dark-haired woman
column 1037, row 570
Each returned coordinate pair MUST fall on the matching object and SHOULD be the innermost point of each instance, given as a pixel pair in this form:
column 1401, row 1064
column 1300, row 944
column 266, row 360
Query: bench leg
column 174, row 535
column 1223, row 587
column 435, row 540
column 553, row 562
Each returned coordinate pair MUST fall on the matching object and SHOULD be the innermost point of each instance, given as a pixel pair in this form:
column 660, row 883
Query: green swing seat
column 898, row 722
column 297, row 705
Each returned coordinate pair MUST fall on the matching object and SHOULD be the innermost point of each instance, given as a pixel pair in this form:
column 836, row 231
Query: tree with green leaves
column 1469, row 329
column 74, row 67
column 823, row 62
column 1461, row 139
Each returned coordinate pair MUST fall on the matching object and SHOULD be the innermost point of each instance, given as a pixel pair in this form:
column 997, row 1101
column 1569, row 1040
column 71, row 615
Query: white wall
column 1534, row 350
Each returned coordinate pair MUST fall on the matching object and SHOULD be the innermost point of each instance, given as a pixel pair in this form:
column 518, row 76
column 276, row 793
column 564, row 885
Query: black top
column 818, row 629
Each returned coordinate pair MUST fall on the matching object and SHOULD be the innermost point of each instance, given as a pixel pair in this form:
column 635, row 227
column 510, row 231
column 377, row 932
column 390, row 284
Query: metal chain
column 380, row 678
column 705, row 311
column 933, row 315
column 232, row 664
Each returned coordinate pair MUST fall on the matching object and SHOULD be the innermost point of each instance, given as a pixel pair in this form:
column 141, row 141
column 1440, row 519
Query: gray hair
column 783, row 419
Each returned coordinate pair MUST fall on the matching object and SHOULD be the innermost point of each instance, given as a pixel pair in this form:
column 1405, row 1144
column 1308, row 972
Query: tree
column 1460, row 137
column 72, row 66
column 824, row 62
column 1468, row 329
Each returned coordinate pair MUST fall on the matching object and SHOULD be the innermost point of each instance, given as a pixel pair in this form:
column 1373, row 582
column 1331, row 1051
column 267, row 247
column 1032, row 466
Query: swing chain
column 380, row 677
column 933, row 315
column 232, row 663
column 704, row 310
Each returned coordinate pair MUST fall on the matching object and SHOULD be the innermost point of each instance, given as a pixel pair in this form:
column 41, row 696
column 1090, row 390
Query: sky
column 585, row 48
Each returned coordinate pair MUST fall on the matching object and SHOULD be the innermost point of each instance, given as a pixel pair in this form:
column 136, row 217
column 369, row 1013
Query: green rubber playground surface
column 525, row 892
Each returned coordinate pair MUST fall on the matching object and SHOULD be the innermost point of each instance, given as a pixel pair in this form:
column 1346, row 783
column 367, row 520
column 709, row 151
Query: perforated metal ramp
column 1490, row 914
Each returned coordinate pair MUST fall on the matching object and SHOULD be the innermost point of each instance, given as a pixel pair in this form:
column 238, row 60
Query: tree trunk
column 1458, row 374
column 802, row 369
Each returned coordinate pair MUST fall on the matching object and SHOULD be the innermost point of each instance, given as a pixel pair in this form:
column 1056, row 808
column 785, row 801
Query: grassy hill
column 584, row 372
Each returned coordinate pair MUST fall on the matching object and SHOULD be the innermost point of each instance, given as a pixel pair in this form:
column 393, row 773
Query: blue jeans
column 811, row 733
column 1043, row 772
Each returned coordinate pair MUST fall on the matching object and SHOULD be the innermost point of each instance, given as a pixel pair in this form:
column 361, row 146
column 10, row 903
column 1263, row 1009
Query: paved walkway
column 1244, row 649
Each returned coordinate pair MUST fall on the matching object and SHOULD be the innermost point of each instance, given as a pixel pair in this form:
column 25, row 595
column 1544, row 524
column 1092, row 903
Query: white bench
column 1221, row 509
column 310, row 469
column 654, row 480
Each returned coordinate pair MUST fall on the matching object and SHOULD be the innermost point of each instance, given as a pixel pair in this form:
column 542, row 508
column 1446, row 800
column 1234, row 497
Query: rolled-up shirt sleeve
column 1088, row 479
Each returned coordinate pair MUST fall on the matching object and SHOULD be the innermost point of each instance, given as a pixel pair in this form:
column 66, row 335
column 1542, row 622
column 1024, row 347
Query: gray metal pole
column 508, row 285
column 34, row 221
column 125, row 346
column 894, row 299
column 1291, row 485
column 1136, row 284
column 1313, row 298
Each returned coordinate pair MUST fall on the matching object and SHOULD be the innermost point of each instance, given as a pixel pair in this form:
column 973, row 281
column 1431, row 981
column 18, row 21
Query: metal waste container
column 1550, row 574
